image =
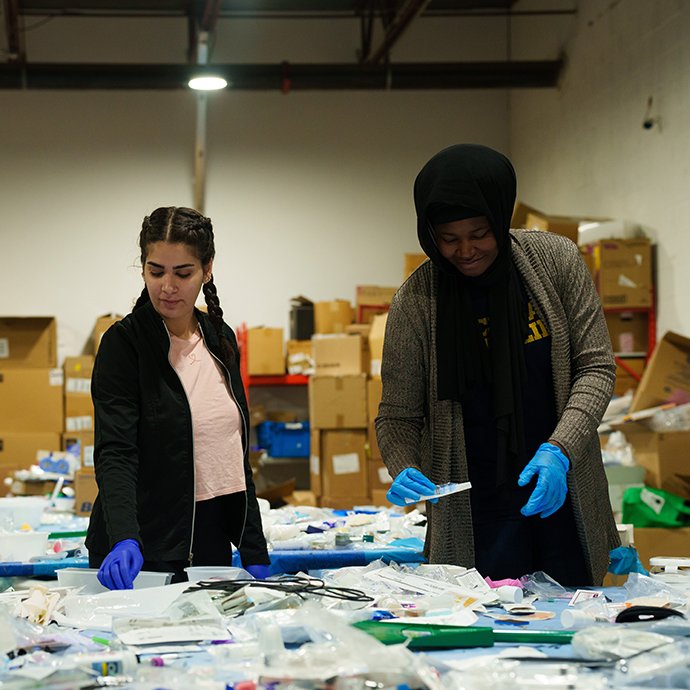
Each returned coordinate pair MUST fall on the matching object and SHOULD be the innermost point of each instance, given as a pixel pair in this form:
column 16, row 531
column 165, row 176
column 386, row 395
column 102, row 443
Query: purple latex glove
column 550, row 466
column 260, row 572
column 410, row 484
column 121, row 565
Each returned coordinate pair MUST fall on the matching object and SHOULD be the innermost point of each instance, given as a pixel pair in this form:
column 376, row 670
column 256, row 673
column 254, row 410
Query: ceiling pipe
column 305, row 77
column 15, row 38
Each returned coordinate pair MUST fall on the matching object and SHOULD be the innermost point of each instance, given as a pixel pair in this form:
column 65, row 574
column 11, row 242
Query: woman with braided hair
column 174, row 482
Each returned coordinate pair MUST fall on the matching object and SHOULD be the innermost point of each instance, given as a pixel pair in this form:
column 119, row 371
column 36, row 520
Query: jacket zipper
column 245, row 430
column 189, row 407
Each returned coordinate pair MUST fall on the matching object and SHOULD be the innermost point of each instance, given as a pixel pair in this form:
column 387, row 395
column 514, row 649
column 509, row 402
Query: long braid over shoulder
column 177, row 224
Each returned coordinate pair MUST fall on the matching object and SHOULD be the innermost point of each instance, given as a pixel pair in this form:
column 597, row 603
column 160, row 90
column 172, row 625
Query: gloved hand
column 410, row 483
column 624, row 560
column 550, row 466
column 260, row 572
column 121, row 565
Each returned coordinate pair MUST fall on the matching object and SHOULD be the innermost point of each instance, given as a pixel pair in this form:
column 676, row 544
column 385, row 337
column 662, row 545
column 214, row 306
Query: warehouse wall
column 582, row 150
column 310, row 193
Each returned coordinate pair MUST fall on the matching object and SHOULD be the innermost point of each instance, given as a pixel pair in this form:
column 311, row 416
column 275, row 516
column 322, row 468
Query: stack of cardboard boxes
column 344, row 392
column 664, row 455
column 31, row 399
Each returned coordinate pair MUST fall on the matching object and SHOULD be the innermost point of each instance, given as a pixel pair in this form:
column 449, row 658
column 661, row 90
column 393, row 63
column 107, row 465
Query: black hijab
column 464, row 181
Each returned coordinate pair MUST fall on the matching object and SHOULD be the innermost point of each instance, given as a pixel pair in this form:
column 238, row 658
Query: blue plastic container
column 284, row 439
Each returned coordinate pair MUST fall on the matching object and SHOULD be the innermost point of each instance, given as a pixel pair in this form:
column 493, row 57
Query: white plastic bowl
column 16, row 511
column 87, row 579
column 22, row 546
column 198, row 573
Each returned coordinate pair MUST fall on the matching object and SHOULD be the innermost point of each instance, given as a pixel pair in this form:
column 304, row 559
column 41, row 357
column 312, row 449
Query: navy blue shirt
column 488, row 500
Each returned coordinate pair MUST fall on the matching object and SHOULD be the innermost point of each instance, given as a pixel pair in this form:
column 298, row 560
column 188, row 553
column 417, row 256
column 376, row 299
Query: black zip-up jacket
column 143, row 451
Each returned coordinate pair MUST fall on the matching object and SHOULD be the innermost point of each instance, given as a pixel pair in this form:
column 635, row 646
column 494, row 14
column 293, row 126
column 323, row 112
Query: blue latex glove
column 550, row 466
column 624, row 560
column 260, row 572
column 410, row 483
column 121, row 565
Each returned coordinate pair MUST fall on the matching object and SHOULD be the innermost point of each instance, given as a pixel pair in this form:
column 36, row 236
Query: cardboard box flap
column 667, row 376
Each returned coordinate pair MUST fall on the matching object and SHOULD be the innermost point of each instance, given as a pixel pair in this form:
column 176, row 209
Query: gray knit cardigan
column 415, row 429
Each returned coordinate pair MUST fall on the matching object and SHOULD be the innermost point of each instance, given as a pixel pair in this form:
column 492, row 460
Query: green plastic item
column 534, row 636
column 427, row 636
column 649, row 507
column 66, row 535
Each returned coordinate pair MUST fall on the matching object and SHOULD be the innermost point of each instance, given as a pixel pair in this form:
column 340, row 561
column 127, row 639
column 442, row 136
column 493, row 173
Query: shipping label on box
column 315, row 462
column 667, row 376
column 379, row 476
column 340, row 354
column 265, row 356
column 28, row 342
column 338, row 402
column 31, row 399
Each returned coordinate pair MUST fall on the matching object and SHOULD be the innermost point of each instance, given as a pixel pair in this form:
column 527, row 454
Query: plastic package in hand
column 260, row 572
column 410, row 484
column 624, row 560
column 550, row 467
column 121, row 566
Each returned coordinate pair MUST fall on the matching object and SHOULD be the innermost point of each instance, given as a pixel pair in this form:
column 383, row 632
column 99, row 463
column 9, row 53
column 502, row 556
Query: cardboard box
column 379, row 477
column 338, row 465
column 376, row 336
column 374, row 391
column 374, row 450
column 623, row 272
column 18, row 450
column 412, row 263
column 32, row 487
column 658, row 541
column 265, row 356
column 301, row 498
column 301, row 318
column 28, row 342
column 629, row 331
column 85, row 491
column 372, row 300
column 103, row 323
column 340, row 354
column 664, row 455
column 378, row 498
column 666, row 377
column 79, row 414
column 80, row 444
column 299, row 358
column 629, row 372
column 31, row 400
column 333, row 317
column 338, row 402
column 520, row 212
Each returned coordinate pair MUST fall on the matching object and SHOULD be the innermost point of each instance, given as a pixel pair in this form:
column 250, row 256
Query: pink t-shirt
column 216, row 421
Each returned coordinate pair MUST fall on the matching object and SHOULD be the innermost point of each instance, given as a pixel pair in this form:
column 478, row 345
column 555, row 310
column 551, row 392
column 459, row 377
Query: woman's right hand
column 121, row 566
column 410, row 484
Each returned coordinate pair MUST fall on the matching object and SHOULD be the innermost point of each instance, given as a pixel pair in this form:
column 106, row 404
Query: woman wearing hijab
column 497, row 369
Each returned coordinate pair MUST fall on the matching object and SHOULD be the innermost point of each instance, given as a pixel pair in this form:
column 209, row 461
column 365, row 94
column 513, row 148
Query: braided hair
column 182, row 225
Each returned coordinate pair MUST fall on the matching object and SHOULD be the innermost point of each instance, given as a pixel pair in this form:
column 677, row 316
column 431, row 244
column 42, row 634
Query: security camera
column 648, row 122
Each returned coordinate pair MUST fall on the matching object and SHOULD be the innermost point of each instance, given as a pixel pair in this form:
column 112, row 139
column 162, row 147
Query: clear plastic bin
column 198, row 573
column 86, row 579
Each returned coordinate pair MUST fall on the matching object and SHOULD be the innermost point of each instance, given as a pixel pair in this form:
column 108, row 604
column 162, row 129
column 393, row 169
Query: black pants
column 214, row 534
column 515, row 545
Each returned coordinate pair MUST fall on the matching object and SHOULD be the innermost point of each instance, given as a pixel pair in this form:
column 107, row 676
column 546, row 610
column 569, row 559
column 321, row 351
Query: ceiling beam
column 15, row 37
column 408, row 11
column 268, row 77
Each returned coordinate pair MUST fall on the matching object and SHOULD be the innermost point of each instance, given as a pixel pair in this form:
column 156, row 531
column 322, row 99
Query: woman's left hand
column 550, row 466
